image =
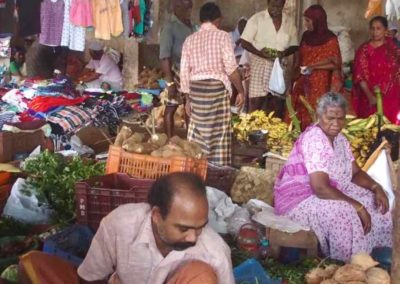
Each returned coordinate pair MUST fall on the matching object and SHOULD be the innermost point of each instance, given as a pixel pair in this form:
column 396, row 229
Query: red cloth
column 320, row 33
column 44, row 104
column 378, row 66
column 313, row 86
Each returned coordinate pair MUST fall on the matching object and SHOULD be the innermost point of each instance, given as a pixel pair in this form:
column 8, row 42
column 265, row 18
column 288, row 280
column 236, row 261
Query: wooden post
column 395, row 275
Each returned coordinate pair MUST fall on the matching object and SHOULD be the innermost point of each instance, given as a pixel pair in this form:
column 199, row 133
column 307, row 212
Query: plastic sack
column 380, row 172
column 24, row 208
column 239, row 217
column 250, row 272
column 221, row 207
column 277, row 79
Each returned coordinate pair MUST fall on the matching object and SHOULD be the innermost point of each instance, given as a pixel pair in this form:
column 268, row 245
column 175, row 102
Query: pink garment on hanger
column 81, row 13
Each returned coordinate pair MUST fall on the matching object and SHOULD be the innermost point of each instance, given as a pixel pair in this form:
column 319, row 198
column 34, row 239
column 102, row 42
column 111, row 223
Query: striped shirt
column 207, row 54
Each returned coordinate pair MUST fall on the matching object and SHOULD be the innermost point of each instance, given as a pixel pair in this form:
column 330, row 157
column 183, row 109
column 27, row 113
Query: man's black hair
column 164, row 188
column 209, row 12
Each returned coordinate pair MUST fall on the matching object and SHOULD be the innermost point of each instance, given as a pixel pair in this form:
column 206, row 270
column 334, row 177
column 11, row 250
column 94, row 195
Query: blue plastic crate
column 71, row 244
column 251, row 272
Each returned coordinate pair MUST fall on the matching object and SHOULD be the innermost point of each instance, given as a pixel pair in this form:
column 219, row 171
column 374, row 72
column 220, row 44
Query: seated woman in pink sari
column 322, row 187
column 377, row 63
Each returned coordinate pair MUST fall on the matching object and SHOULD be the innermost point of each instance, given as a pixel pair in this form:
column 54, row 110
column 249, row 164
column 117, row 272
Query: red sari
column 378, row 66
column 313, row 86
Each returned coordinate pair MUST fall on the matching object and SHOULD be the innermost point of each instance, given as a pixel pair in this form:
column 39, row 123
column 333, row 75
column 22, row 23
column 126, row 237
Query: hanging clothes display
column 52, row 19
column 127, row 18
column 81, row 13
column 28, row 17
column 72, row 36
column 107, row 19
column 139, row 25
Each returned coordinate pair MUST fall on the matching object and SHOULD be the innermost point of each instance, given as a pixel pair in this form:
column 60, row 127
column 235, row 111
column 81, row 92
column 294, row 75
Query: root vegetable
column 140, row 148
column 159, row 139
column 136, row 138
column 123, row 135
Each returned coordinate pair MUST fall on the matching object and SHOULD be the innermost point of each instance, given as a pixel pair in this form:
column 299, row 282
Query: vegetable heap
column 53, row 176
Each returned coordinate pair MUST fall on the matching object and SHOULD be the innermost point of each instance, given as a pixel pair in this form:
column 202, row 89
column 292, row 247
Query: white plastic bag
column 26, row 208
column 277, row 80
column 380, row 172
column 221, row 207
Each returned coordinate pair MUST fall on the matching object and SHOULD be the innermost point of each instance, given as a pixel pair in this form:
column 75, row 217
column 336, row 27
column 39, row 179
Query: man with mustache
column 165, row 241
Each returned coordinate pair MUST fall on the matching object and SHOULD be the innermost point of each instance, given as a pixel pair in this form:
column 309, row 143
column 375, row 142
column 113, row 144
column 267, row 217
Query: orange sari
column 313, row 86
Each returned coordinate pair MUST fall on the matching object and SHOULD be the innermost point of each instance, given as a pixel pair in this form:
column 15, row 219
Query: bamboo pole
column 395, row 275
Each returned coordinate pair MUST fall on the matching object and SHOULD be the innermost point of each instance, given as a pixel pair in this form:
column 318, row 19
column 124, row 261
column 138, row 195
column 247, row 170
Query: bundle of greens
column 53, row 176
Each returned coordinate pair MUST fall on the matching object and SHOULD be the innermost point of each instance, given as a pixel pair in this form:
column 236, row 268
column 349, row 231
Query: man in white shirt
column 267, row 29
column 101, row 69
column 166, row 241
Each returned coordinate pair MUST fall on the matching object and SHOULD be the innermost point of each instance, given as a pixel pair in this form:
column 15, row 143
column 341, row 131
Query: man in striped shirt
column 208, row 67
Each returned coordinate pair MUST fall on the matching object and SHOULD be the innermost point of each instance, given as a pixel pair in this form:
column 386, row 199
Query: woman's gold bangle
column 361, row 208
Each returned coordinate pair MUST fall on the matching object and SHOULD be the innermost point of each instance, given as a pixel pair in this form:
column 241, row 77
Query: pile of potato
column 158, row 145
column 148, row 78
column 361, row 270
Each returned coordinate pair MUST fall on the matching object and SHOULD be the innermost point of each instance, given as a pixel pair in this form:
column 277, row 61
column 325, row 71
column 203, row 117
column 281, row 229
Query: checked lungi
column 260, row 72
column 210, row 120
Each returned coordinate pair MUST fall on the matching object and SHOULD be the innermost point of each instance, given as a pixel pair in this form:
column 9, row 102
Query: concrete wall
column 349, row 14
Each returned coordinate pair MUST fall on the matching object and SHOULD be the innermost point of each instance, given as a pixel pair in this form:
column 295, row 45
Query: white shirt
column 124, row 245
column 260, row 31
column 108, row 69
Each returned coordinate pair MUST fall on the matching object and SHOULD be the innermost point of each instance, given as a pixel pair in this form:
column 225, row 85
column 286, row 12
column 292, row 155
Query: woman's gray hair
column 331, row 99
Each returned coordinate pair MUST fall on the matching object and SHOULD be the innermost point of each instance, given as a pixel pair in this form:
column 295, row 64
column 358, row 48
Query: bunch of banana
column 362, row 133
column 280, row 135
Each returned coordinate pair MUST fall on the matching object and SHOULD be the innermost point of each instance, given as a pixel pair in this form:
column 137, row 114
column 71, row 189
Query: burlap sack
column 253, row 183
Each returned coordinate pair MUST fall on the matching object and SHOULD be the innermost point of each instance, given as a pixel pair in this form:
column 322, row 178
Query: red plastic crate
column 98, row 196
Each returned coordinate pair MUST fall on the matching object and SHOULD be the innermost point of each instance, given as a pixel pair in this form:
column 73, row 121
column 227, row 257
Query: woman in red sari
column 319, row 68
column 377, row 63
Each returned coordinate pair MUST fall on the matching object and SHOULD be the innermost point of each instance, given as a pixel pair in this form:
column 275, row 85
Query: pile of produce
column 157, row 145
column 271, row 52
column 15, row 247
column 280, row 136
column 148, row 78
column 361, row 270
column 362, row 133
column 52, row 178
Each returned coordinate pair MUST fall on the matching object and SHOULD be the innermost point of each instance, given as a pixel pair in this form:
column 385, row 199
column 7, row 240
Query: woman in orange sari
column 319, row 66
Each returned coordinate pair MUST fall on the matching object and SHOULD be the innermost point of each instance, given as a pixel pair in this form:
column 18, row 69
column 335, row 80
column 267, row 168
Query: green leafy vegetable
column 53, row 178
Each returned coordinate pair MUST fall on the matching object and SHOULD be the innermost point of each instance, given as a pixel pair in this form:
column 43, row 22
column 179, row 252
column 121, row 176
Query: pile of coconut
column 362, row 269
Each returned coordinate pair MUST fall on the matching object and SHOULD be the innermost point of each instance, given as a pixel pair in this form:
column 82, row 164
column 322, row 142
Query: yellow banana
column 371, row 121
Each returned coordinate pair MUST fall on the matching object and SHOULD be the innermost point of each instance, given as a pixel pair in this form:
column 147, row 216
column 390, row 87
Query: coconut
column 377, row 275
column 364, row 260
column 350, row 272
column 329, row 281
column 330, row 270
column 315, row 276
